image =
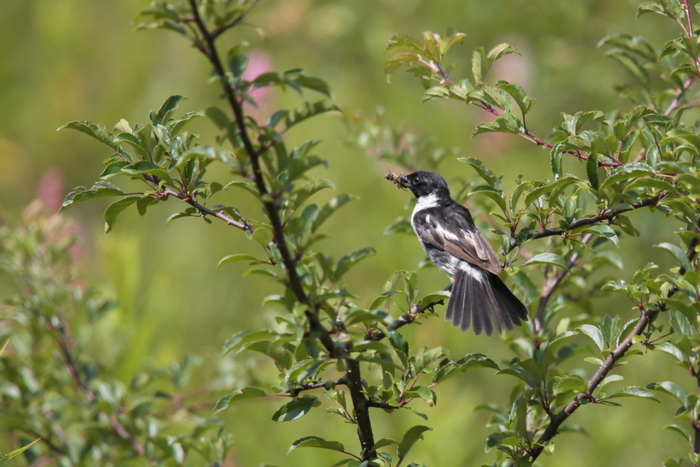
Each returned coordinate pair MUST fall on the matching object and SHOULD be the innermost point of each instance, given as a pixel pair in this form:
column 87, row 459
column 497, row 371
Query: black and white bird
column 449, row 236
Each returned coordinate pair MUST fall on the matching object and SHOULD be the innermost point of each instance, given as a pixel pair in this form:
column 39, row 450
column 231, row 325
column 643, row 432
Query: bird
column 478, row 299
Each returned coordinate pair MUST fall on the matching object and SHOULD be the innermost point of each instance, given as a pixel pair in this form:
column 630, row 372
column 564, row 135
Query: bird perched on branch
column 449, row 236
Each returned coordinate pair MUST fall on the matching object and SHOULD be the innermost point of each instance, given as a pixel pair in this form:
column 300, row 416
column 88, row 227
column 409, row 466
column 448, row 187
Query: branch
column 64, row 346
column 528, row 135
column 321, row 384
column 590, row 220
column 404, row 319
column 549, row 289
column 559, row 418
column 243, row 224
column 647, row 317
column 679, row 95
column 360, row 401
column 361, row 404
column 271, row 207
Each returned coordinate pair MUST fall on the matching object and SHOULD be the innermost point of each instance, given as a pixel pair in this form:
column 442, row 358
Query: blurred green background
column 66, row 60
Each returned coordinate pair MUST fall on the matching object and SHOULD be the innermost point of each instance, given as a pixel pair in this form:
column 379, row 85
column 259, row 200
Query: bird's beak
column 403, row 182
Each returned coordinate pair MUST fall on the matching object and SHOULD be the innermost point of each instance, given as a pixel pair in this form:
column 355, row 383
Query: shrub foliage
column 554, row 234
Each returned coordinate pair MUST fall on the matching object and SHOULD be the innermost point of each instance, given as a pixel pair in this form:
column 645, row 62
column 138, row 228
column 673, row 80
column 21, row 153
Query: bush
column 555, row 235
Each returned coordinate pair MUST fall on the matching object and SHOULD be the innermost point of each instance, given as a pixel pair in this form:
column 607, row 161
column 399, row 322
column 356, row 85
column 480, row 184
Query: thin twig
column 528, row 134
column 677, row 98
column 590, row 220
column 551, row 286
column 403, row 320
column 243, row 224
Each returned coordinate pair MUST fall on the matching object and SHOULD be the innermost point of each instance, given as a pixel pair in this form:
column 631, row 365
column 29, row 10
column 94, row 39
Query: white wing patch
column 446, row 233
column 477, row 273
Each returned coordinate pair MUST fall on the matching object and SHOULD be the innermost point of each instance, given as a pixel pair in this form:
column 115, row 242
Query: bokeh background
column 63, row 60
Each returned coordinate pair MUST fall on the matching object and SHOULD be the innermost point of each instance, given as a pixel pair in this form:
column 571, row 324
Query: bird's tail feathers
column 483, row 302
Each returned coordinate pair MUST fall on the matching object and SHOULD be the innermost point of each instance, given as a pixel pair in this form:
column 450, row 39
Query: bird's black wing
column 452, row 229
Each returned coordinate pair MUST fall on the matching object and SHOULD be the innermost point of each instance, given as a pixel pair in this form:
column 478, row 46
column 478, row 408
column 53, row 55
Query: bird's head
column 425, row 183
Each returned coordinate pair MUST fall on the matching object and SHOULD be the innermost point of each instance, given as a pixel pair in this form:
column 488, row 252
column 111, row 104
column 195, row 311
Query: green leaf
column 19, row 451
column 166, row 110
column 199, row 152
column 594, row 333
column 483, row 171
column 316, row 442
column 242, row 394
column 236, row 257
column 571, row 382
column 635, row 44
column 400, row 344
column 308, row 110
column 327, row 210
column 403, row 42
column 679, row 429
column 480, row 65
column 650, row 7
column 176, row 126
column 677, row 253
column 237, row 63
column 347, row 262
column 114, row 209
column 518, row 94
column 671, row 349
column 147, row 167
column 295, row 408
column 315, row 84
column 680, row 324
column 409, row 439
column 100, row 189
column 244, row 337
column 384, row 442
column 503, row 438
column 397, row 60
column 592, row 170
column 629, row 171
column 504, row 123
column 448, row 368
column 634, row 391
column 631, row 64
column 674, row 389
column 492, row 193
column 550, row 259
column 132, row 140
column 605, row 231
column 95, row 130
column 222, row 121
column 501, row 50
column 311, row 188
column 550, row 187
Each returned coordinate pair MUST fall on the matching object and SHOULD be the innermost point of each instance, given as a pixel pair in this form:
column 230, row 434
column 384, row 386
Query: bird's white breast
column 424, row 202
